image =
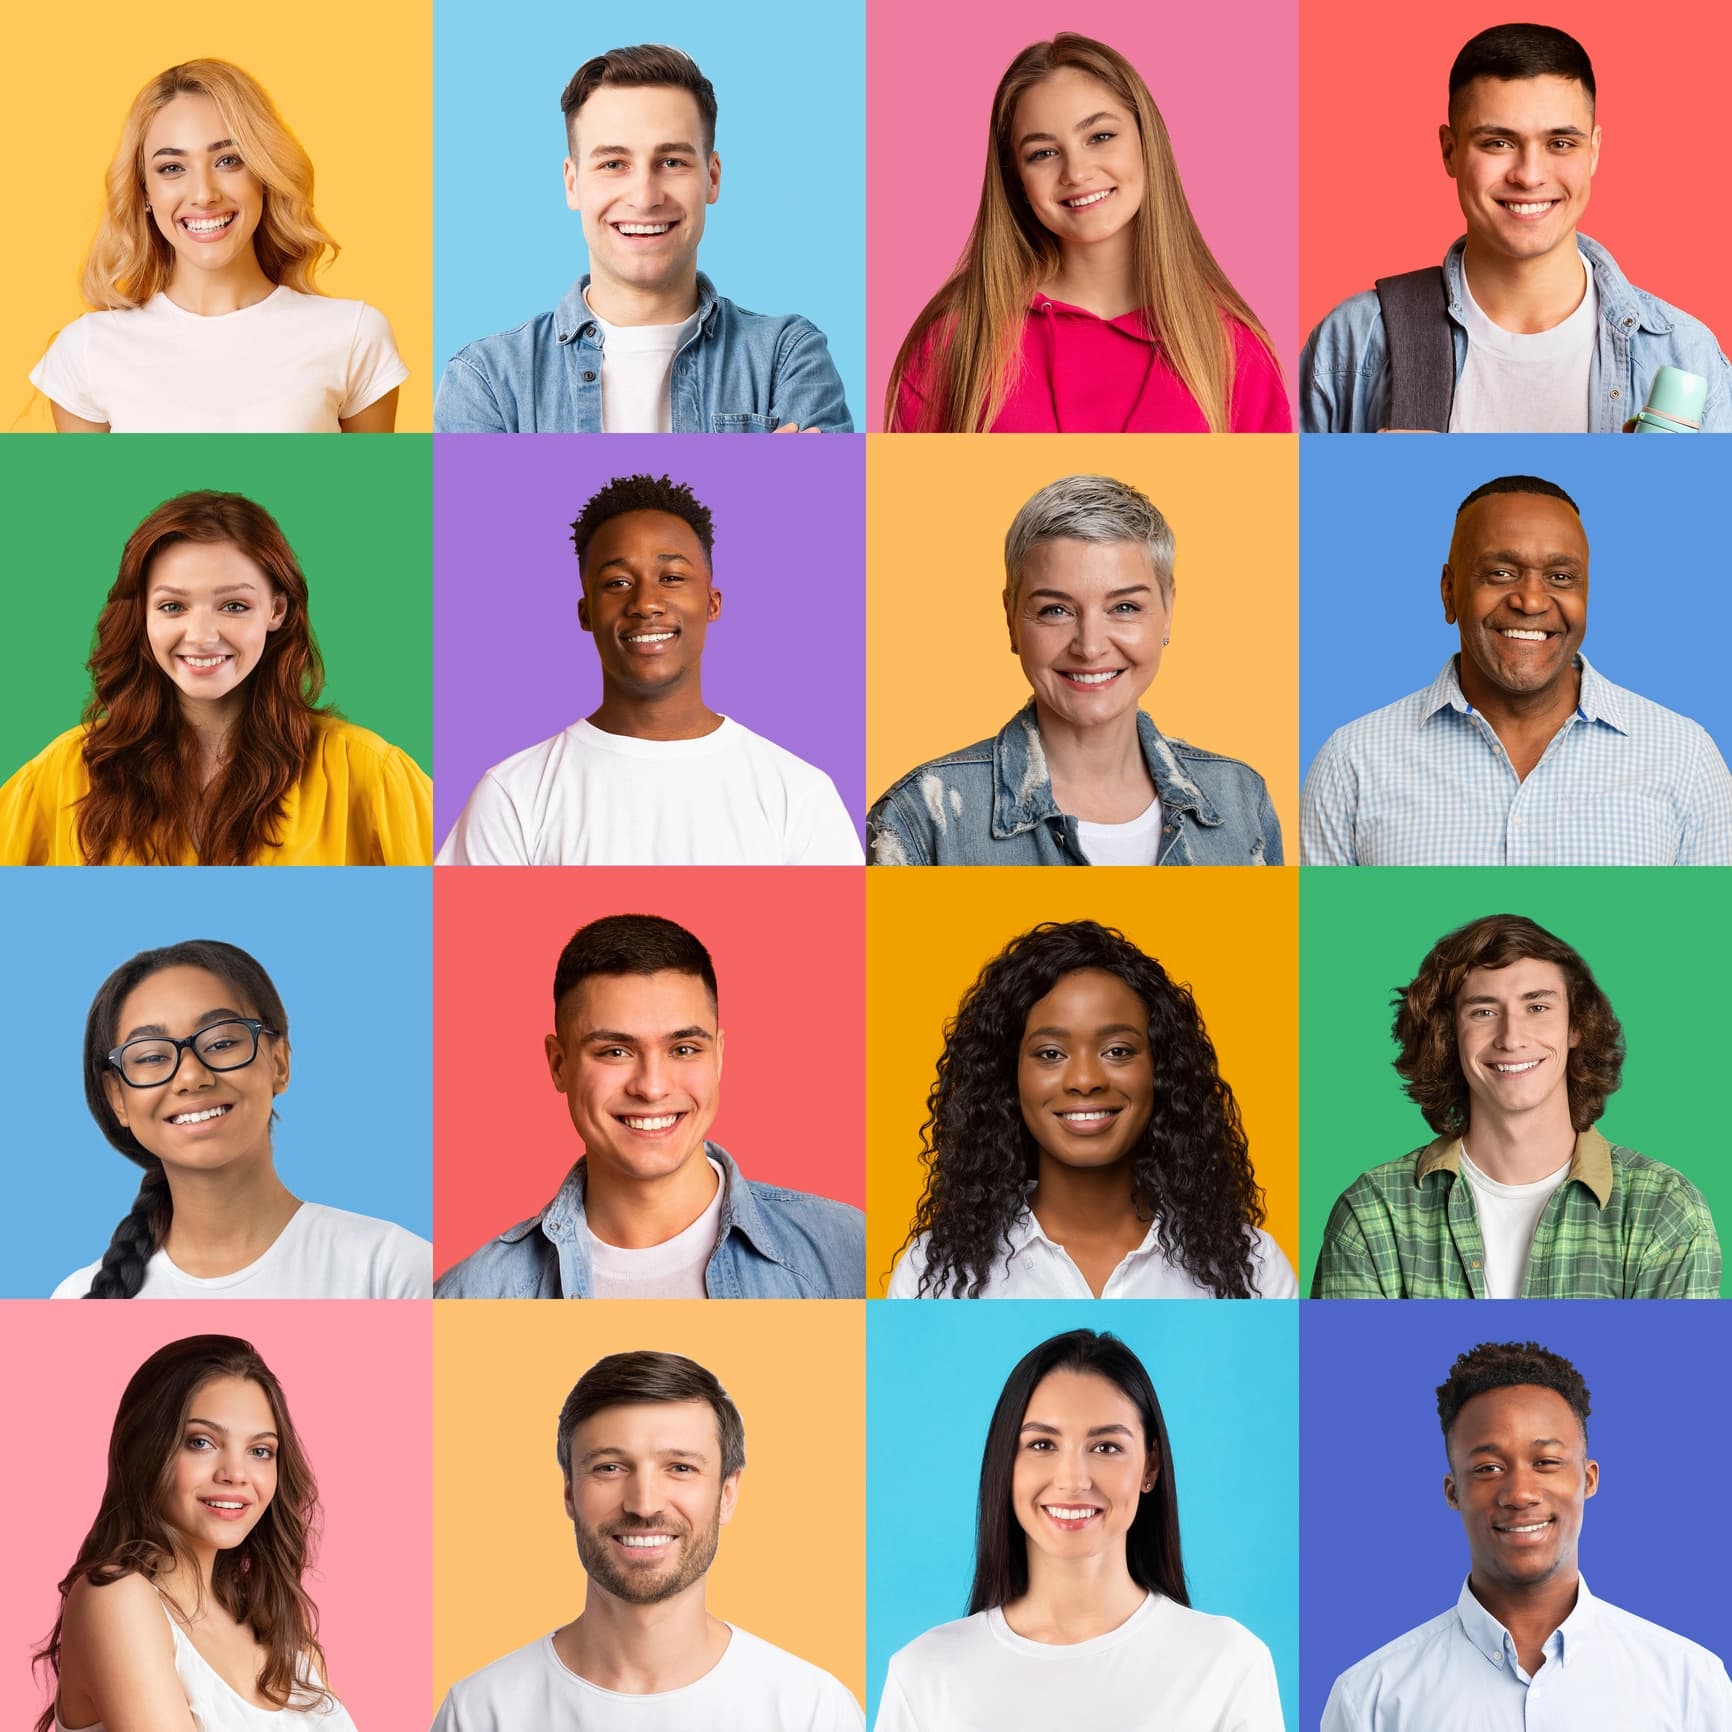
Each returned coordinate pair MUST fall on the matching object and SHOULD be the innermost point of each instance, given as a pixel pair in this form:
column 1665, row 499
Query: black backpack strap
column 1421, row 346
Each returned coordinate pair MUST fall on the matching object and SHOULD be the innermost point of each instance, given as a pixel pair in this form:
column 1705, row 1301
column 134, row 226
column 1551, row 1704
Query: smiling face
column 1079, row 156
column 647, row 1498
column 203, row 198
column 201, row 1119
column 1522, row 153
column 1519, row 1475
column 648, row 601
column 209, row 611
column 1517, row 586
column 224, row 1472
column 1513, row 1036
column 640, row 177
column 1088, row 622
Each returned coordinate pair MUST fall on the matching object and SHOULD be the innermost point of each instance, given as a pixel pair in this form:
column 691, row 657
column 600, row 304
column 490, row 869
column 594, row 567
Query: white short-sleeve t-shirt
column 1526, row 381
column 323, row 1253
column 291, row 363
column 754, row 1687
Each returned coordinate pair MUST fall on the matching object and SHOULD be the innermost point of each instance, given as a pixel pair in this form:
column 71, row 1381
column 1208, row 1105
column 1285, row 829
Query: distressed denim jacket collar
column 574, row 322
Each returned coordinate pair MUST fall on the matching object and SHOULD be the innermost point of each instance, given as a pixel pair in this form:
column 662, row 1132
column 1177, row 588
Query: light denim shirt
column 739, row 372
column 1344, row 367
column 992, row 805
column 774, row 1244
column 1605, row 1671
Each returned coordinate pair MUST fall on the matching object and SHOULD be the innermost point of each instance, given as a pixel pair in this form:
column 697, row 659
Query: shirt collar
column 1496, row 1643
column 1598, row 700
column 1621, row 305
column 1025, row 1230
column 1590, row 1164
column 572, row 317
column 565, row 1215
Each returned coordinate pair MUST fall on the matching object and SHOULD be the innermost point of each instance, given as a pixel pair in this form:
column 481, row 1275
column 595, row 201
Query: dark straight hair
column 1152, row 1551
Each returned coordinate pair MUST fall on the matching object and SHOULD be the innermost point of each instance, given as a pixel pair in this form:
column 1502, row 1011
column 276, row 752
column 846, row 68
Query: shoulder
column 941, row 1648
column 358, row 1232
column 63, row 749
column 1349, row 337
column 801, row 1209
column 1273, row 1276
column 501, row 1678
column 1211, row 1631
column 367, row 753
column 127, row 1612
column 525, row 768
column 1626, row 1627
column 1205, row 766
column 910, row 1267
column 785, row 330
column 790, row 768
column 1644, row 713
column 1655, row 314
column 489, row 355
column 77, row 1284
column 515, row 1264
column 1386, row 1666
column 1377, row 1185
column 1636, row 1173
column 782, row 1670
column 926, row 781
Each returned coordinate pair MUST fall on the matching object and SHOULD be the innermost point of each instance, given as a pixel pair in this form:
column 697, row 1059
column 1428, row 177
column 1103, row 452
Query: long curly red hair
column 145, row 801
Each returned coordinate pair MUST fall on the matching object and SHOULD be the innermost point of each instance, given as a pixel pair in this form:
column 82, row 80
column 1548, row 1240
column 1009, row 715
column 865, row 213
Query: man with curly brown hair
column 1509, row 1048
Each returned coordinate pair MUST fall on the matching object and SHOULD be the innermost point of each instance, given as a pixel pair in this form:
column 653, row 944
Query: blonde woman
column 1087, row 300
column 207, row 317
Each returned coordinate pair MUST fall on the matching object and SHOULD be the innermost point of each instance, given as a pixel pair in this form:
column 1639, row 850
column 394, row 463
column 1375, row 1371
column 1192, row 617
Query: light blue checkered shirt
column 1427, row 782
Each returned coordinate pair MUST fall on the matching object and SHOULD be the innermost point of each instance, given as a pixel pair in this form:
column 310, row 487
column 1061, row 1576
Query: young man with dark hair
column 1529, row 327
column 652, row 1451
column 653, row 777
column 643, row 343
column 1519, row 753
column 1526, row 1645
column 1509, row 1047
column 652, row 1210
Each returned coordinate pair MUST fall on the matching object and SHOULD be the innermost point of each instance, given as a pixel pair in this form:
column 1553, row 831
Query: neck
column 1527, row 295
column 187, row 1580
column 1085, row 1200
column 1093, row 768
column 642, row 1650
column 1075, row 1599
column 633, row 1214
column 1521, row 1148
column 1521, row 719
column 210, row 722
column 1530, row 1611
column 669, row 303
column 678, row 713
column 1101, row 278
column 212, row 293
column 226, row 1219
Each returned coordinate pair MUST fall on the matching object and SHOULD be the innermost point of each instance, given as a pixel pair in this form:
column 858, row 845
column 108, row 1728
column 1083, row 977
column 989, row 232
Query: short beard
column 642, row 1587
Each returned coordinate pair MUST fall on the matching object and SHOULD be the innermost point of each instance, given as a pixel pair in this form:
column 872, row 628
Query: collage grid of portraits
column 580, row 739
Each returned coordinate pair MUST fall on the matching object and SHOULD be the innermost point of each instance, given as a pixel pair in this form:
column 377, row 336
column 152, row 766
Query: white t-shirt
column 637, row 363
column 1165, row 1667
column 1526, row 382
column 291, row 363
column 323, row 1253
column 673, row 1269
column 754, row 1687
column 1137, row 843
column 1508, row 1215
column 588, row 798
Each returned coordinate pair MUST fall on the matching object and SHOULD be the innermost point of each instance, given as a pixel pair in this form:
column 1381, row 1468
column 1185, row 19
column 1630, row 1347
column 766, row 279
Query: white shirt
column 1036, row 1267
column 588, row 798
column 1508, row 1215
column 1606, row 1671
column 1137, row 843
column 754, row 1687
column 1166, row 1667
column 673, row 1269
column 322, row 1253
column 1526, row 381
column 291, row 363
column 637, row 363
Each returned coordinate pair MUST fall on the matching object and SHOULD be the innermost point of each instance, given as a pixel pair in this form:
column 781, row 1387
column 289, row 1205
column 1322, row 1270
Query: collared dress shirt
column 1605, row 1670
column 1426, row 781
column 1620, row 1226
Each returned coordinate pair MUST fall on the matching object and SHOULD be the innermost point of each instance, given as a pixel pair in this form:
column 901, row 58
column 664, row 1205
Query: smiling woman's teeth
column 198, row 1118
column 1086, row 200
column 206, row 225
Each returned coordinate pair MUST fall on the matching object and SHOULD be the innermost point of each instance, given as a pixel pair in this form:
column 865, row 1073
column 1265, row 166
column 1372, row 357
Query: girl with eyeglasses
column 185, row 1050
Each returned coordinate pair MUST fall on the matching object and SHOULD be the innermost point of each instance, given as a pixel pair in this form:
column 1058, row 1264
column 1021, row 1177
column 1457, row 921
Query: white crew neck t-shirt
column 322, row 1253
column 637, row 364
column 1165, row 1667
column 1526, row 382
column 291, row 363
column 673, row 1269
column 1508, row 1215
column 754, row 1687
column 1136, row 843
column 588, row 798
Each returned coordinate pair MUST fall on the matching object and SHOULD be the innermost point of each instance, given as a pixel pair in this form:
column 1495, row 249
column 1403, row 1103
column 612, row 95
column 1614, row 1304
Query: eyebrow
column 147, row 1029
column 1535, row 1443
column 614, row 1450
column 211, row 1425
column 618, row 1037
column 175, row 150
column 1114, row 1430
column 620, row 559
column 246, row 583
column 1105, row 1029
column 1492, row 998
column 1030, row 137
column 1065, row 594
column 1489, row 131
column 1509, row 556
column 654, row 150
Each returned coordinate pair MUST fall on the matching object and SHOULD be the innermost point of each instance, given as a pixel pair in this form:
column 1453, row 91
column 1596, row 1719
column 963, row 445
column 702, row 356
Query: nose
column 644, row 190
column 648, row 1079
column 639, row 1499
column 1530, row 596
column 1528, row 165
column 1518, row 1490
column 190, row 1071
column 1073, row 1472
column 1088, row 636
column 645, row 600
column 1083, row 1075
column 200, row 627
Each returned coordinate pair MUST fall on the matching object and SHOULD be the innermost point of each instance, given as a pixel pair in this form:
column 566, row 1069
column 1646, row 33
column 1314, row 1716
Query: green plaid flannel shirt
column 1619, row 1227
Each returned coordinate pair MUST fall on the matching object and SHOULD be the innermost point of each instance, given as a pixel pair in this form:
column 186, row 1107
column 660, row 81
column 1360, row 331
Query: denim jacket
column 739, row 372
column 1344, row 368
column 774, row 1244
column 991, row 805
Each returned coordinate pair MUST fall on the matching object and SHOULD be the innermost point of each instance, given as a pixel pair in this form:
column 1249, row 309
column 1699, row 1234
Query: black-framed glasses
column 152, row 1061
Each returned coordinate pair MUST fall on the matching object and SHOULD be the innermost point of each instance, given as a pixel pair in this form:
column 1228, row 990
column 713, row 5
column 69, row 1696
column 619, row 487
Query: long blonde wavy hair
column 966, row 344
column 130, row 260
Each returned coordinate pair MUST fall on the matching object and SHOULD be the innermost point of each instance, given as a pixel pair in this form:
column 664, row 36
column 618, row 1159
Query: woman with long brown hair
column 201, row 742
column 184, row 1610
column 1086, row 300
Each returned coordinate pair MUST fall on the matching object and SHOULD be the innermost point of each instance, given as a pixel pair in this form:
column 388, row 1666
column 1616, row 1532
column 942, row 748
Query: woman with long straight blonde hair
column 1087, row 300
column 206, row 315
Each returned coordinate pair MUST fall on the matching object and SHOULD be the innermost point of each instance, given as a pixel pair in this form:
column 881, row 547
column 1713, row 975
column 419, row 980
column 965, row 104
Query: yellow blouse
column 360, row 802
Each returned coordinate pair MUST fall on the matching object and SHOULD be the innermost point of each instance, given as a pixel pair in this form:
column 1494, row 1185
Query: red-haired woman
column 201, row 743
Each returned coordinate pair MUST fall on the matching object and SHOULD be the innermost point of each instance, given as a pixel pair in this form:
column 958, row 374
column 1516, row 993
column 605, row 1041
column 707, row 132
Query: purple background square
column 511, row 665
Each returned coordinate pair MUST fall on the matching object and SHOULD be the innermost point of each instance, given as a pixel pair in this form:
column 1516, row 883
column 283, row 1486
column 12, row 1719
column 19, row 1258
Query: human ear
column 715, row 191
column 1449, row 1492
column 572, row 199
column 730, row 1496
column 1592, row 1471
column 115, row 1089
column 279, row 611
column 1446, row 146
column 583, row 613
column 555, row 1049
column 280, row 1056
column 715, row 611
column 1446, row 588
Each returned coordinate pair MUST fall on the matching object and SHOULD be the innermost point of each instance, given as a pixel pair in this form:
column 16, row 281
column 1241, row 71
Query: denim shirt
column 739, row 372
column 992, row 805
column 1344, row 368
column 774, row 1244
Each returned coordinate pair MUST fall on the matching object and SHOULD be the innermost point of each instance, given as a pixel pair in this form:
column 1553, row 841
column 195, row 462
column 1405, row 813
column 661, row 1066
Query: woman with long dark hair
column 184, row 1610
column 1080, row 1139
column 202, row 743
column 1079, row 1614
column 186, row 1049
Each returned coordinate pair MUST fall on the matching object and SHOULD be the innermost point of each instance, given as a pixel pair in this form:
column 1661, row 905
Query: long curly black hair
column 1192, row 1175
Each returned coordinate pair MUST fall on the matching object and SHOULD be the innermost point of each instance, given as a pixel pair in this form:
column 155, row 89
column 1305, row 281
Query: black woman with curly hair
column 1080, row 1139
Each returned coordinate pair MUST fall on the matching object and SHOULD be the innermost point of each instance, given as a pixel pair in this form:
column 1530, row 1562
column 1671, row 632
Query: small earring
column 1165, row 641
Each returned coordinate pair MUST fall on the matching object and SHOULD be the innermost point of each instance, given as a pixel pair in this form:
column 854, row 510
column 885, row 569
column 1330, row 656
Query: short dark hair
column 1429, row 1062
column 631, row 1379
column 631, row 944
column 1521, row 51
column 1506, row 1365
column 1517, row 484
column 642, row 493
column 632, row 68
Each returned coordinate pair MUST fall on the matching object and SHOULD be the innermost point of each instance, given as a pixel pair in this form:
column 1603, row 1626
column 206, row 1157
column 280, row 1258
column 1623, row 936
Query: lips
column 204, row 664
column 200, row 1115
column 1529, row 210
column 1524, row 1533
column 1089, row 680
column 207, row 228
column 1070, row 1518
column 643, row 231
column 226, row 1509
column 1088, row 200
column 650, row 1124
